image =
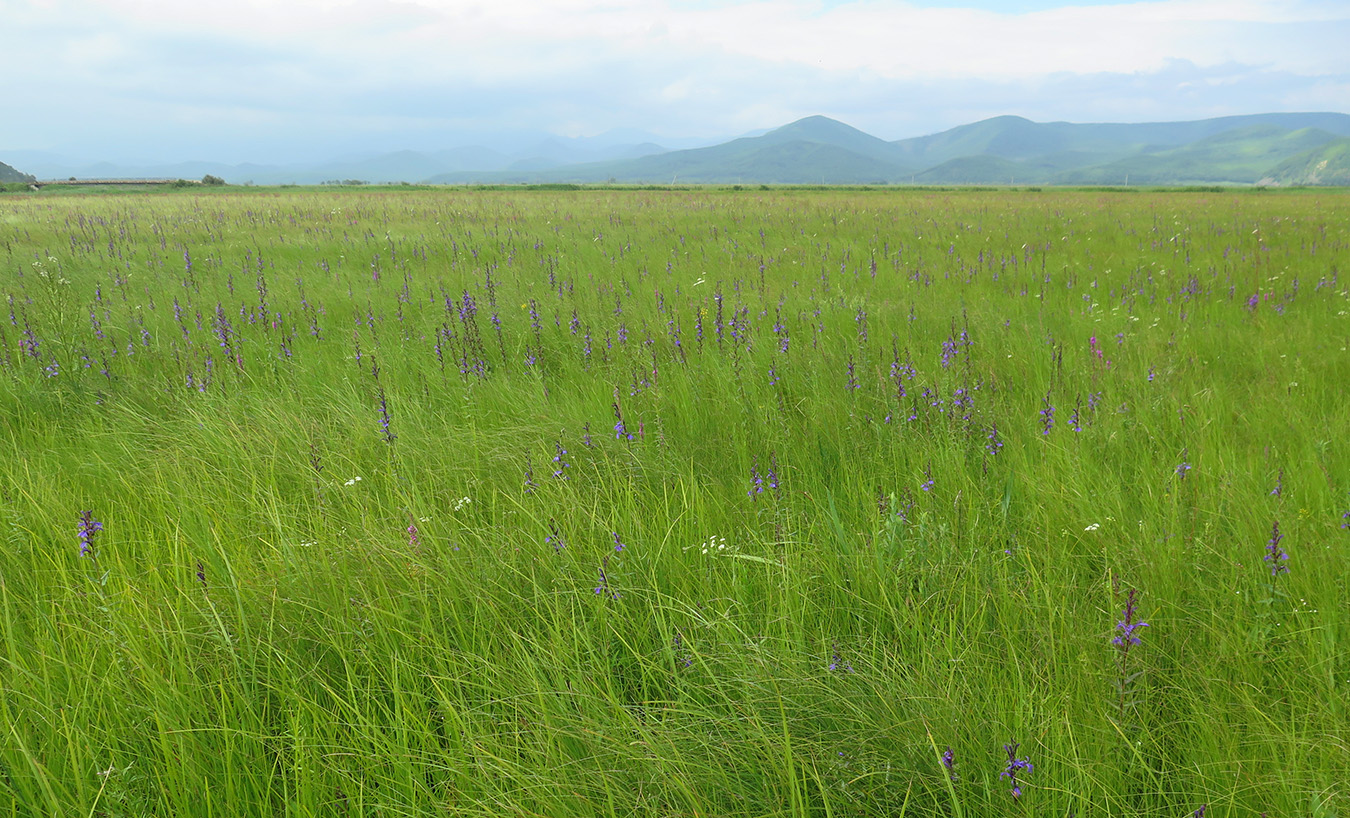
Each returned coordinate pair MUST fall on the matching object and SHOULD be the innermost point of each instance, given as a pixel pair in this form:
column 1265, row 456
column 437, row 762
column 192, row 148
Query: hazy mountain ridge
column 1280, row 149
column 1002, row 150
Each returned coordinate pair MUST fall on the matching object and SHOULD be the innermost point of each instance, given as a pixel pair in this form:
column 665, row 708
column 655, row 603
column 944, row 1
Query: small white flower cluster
column 714, row 545
column 1093, row 527
column 353, row 481
column 462, row 502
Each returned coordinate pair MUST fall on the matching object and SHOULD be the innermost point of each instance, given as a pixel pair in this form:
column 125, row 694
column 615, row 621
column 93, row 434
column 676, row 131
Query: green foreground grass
column 676, row 503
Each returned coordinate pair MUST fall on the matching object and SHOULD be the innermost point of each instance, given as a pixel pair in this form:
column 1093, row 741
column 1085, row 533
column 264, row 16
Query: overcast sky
column 287, row 80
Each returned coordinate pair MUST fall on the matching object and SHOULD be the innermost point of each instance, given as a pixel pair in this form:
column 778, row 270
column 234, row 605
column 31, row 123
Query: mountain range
column 1269, row 149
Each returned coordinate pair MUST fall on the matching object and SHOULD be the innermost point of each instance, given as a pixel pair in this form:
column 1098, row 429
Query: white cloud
column 434, row 68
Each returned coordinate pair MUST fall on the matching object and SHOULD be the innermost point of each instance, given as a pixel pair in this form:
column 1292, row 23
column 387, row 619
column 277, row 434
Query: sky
column 272, row 81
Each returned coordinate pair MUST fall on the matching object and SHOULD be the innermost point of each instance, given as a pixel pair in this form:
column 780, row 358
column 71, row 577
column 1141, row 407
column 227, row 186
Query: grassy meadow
column 384, row 502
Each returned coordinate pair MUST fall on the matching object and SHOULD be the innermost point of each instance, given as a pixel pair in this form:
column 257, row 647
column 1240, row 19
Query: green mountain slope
column 9, row 174
column 983, row 170
column 1013, row 137
column 1328, row 164
column 1239, row 156
column 815, row 150
column 1003, row 150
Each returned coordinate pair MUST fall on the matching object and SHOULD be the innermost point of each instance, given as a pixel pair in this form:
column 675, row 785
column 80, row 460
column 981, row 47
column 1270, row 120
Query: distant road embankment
column 68, row 182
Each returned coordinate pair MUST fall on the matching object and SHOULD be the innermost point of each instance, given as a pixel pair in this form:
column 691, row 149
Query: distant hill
column 815, row 150
column 1279, row 148
column 1003, row 150
column 9, row 174
column 1328, row 164
column 1242, row 155
column 977, row 170
column 1013, row 137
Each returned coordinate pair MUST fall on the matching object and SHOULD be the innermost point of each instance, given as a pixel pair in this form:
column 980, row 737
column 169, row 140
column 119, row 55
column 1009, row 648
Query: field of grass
column 674, row 503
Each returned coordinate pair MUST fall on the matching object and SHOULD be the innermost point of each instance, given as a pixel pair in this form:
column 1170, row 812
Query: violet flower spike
column 756, row 480
column 560, row 463
column 620, row 430
column 603, row 588
column 1274, row 554
column 1015, row 767
column 949, row 762
column 89, row 528
column 529, row 483
column 555, row 537
column 1128, row 625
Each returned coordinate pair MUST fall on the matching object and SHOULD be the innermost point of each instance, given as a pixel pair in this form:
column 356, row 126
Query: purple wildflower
column 555, row 537
column 836, row 663
column 949, row 351
column 603, row 588
column 1015, row 767
column 389, row 436
column 927, row 484
column 1200, row 813
column 995, row 442
column 1182, row 468
column 1274, row 554
column 560, row 464
column 1278, row 491
column 89, row 528
column 1128, row 625
column 756, row 480
column 620, row 431
column 529, row 483
column 618, row 544
column 1047, row 415
column 949, row 761
column 682, row 654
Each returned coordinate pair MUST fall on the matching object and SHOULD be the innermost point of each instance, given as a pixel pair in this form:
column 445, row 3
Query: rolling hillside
column 1285, row 148
column 1325, row 165
column 1003, row 150
column 1242, row 155
column 9, row 174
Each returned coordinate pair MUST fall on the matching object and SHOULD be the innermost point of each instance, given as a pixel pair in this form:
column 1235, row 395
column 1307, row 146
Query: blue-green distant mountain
column 815, row 150
column 1242, row 155
column 1240, row 150
column 1273, row 149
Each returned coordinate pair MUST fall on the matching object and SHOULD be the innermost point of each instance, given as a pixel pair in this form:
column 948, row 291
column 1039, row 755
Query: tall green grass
column 329, row 579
